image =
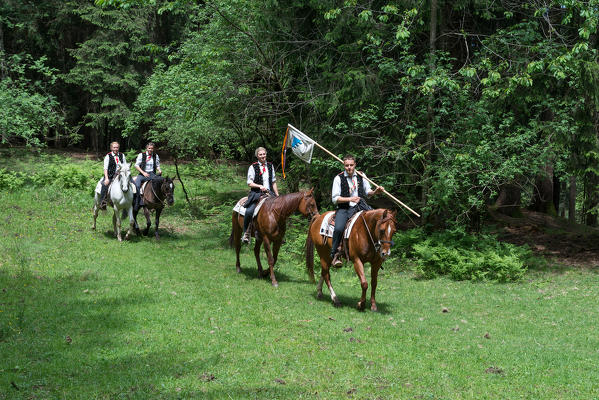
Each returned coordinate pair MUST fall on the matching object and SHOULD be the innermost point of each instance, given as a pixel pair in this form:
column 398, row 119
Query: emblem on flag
column 301, row 145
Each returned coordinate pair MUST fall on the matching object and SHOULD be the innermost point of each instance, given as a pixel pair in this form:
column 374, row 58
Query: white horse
column 120, row 193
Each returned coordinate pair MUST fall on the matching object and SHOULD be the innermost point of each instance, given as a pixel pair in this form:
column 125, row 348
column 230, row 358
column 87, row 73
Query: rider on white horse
column 111, row 161
column 148, row 165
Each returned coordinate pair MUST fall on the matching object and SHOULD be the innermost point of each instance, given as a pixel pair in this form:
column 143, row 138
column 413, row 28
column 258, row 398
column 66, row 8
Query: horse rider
column 348, row 193
column 111, row 161
column 148, row 165
column 261, row 179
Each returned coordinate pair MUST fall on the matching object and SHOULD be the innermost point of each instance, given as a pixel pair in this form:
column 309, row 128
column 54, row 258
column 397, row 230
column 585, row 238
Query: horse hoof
column 238, row 270
column 275, row 284
column 361, row 305
column 319, row 295
column 336, row 303
column 374, row 309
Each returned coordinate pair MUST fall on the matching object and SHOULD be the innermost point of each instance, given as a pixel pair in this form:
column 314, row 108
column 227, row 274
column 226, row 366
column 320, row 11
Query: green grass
column 172, row 319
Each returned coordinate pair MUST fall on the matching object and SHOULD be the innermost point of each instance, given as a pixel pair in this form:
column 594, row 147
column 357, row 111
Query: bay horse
column 158, row 192
column 120, row 194
column 270, row 224
column 370, row 241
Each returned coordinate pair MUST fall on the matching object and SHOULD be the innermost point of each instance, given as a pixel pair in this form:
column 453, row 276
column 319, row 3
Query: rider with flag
column 111, row 161
column 261, row 179
column 349, row 192
column 148, row 165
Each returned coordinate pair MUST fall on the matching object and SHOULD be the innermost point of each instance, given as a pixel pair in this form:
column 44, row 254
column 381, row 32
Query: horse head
column 385, row 228
column 168, row 188
column 308, row 205
column 124, row 175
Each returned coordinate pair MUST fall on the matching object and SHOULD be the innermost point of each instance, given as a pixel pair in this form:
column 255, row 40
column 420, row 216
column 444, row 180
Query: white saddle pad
column 240, row 209
column 99, row 187
column 326, row 229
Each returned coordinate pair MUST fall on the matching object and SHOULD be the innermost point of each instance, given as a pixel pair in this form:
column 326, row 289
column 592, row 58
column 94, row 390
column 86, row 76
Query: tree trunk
column 572, row 200
column 542, row 200
column 431, row 100
column 508, row 202
column 591, row 199
column 2, row 63
column 180, row 180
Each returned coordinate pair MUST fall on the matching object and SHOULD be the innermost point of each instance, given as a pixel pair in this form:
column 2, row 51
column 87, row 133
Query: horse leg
column 95, row 215
column 116, row 221
column 271, row 262
column 323, row 265
column 359, row 267
column 131, row 222
column 158, row 211
column 236, row 238
column 257, row 244
column 135, row 212
column 326, row 275
column 374, row 273
column 148, row 221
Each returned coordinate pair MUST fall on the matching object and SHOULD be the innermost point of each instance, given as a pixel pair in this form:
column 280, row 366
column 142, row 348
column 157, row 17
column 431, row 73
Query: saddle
column 240, row 209
column 328, row 226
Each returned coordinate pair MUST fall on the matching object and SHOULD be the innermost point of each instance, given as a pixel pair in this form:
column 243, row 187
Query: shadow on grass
column 351, row 302
column 71, row 342
column 251, row 272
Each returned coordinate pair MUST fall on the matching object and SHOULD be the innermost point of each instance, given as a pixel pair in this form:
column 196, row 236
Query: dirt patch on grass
column 569, row 244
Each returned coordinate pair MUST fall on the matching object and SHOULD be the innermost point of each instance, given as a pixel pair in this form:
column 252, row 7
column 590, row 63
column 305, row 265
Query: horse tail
column 310, row 253
column 232, row 229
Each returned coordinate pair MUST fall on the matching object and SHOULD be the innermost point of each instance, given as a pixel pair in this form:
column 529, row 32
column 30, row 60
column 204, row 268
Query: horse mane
column 157, row 182
column 284, row 202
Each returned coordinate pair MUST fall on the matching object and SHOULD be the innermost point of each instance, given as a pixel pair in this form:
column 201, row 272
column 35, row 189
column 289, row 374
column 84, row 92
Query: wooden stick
column 371, row 182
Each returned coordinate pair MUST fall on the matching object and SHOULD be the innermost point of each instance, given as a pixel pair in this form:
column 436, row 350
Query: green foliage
column 468, row 257
column 28, row 114
column 52, row 171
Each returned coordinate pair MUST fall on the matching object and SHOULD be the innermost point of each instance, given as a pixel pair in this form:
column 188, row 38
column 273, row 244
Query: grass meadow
column 83, row 316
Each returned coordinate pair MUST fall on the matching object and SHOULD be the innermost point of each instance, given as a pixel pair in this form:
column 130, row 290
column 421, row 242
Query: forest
column 457, row 107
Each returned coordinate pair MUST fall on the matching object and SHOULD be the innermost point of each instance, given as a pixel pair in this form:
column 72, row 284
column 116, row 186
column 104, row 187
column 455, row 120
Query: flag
column 301, row 145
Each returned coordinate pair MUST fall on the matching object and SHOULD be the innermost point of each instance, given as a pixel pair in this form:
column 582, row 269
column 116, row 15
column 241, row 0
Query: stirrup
column 246, row 237
column 337, row 261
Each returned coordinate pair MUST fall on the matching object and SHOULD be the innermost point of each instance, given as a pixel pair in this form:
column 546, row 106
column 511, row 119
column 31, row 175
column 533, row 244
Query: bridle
column 379, row 242
column 161, row 201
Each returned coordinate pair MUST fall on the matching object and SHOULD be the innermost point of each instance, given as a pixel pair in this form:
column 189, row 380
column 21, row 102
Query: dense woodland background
column 455, row 106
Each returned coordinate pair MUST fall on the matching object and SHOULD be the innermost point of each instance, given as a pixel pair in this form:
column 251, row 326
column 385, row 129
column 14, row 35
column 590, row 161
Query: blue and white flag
column 301, row 145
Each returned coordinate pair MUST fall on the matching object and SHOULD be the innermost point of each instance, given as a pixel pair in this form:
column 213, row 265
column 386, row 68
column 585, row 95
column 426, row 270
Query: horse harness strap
column 162, row 202
column 377, row 245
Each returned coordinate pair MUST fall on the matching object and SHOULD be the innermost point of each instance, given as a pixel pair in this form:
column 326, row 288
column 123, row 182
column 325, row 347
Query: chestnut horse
column 270, row 225
column 370, row 241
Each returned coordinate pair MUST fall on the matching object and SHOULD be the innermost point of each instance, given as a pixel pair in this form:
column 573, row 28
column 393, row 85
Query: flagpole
column 371, row 182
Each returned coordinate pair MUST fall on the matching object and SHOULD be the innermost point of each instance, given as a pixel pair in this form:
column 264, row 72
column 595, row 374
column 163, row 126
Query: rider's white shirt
column 116, row 159
column 265, row 180
column 149, row 162
column 352, row 181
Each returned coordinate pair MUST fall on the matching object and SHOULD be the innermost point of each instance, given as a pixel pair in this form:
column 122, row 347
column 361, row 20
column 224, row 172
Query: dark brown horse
column 270, row 225
column 158, row 193
column 370, row 241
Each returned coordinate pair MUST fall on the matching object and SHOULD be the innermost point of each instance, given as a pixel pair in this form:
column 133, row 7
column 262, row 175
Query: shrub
column 469, row 257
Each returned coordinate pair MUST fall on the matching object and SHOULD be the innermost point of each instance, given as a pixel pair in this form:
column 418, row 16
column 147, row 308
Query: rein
column 161, row 202
column 377, row 245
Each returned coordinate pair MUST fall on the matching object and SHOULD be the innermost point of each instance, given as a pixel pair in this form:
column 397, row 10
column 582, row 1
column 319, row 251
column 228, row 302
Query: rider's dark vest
column 144, row 157
column 345, row 189
column 112, row 164
column 258, row 175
